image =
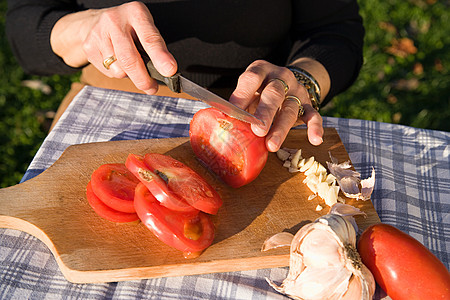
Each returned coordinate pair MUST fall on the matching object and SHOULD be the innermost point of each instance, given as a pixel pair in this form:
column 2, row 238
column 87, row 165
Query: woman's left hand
column 267, row 86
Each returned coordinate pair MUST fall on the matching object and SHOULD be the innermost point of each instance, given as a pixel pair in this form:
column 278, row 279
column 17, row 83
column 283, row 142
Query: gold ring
column 109, row 61
column 301, row 109
column 286, row 87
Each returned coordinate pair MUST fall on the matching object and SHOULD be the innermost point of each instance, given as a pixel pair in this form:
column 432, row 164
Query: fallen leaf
column 387, row 26
column 418, row 69
column 406, row 84
column 438, row 65
column 402, row 47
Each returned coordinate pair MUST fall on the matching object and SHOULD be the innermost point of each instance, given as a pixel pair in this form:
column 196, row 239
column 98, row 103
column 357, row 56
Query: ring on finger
column 107, row 62
column 285, row 85
column 301, row 109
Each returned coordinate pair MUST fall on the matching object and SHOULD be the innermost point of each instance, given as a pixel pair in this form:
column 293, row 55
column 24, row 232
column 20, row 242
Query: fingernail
column 274, row 143
column 317, row 141
column 151, row 91
column 169, row 68
column 259, row 131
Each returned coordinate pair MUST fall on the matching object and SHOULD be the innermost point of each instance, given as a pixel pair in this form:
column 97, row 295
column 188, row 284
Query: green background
column 404, row 80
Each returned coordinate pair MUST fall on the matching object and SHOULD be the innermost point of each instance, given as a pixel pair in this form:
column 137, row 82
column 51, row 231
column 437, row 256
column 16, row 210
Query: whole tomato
column 227, row 146
column 402, row 266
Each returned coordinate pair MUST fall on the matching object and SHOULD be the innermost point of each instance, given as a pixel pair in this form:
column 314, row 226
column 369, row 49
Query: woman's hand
column 94, row 35
column 262, row 85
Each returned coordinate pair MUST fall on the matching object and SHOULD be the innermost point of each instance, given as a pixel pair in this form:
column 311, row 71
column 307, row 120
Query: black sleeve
column 28, row 27
column 332, row 33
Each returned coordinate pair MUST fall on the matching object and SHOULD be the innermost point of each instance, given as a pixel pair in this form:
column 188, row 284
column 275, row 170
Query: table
column 412, row 192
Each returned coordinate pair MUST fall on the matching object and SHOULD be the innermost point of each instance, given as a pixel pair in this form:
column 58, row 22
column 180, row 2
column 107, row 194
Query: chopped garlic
column 312, row 169
column 312, row 197
column 296, row 158
column 308, row 163
column 283, row 154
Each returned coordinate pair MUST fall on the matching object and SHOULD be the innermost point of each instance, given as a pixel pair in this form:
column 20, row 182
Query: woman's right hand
column 91, row 36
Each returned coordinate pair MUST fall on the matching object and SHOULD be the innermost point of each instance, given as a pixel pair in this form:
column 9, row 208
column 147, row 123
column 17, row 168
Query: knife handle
column 172, row 82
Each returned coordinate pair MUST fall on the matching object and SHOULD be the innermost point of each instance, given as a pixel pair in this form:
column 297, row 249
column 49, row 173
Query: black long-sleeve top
column 213, row 41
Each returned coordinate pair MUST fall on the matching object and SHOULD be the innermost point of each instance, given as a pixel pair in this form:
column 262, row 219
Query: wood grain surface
column 53, row 207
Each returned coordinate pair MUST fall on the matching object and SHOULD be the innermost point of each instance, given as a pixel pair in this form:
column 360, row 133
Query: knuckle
column 152, row 38
column 274, row 91
column 128, row 62
column 143, row 84
column 250, row 78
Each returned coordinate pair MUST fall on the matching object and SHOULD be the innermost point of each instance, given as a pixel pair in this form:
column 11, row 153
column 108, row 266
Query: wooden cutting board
column 53, row 207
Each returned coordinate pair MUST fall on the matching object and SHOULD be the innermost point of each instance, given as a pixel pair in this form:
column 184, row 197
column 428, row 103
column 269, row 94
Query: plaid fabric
column 412, row 192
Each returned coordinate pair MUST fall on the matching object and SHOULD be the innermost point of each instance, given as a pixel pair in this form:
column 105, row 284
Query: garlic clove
column 320, row 249
column 320, row 283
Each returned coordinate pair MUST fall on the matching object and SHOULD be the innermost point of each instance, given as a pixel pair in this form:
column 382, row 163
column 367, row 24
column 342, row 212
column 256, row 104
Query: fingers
column 119, row 32
column 271, row 84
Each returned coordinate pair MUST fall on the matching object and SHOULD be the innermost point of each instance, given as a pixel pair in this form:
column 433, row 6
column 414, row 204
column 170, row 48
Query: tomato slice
column 114, row 185
column 227, row 146
column 186, row 231
column 183, row 182
column 156, row 185
column 107, row 212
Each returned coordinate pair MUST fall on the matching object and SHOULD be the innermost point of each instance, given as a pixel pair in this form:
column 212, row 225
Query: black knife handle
column 172, row 82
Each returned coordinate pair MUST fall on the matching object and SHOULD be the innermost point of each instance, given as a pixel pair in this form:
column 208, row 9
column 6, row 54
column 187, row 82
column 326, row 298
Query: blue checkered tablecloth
column 412, row 192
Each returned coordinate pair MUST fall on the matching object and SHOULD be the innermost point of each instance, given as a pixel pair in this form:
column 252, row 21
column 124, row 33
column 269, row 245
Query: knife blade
column 177, row 83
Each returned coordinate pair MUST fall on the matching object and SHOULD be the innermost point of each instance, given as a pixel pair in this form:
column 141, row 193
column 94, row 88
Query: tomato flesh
column 107, row 212
column 186, row 231
column 184, row 183
column 156, row 185
column 402, row 266
column 114, row 185
column 227, row 146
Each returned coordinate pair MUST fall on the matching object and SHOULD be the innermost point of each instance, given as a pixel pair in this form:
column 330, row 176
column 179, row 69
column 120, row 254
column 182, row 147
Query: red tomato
column 402, row 266
column 183, row 182
column 105, row 211
column 227, row 146
column 114, row 185
column 187, row 232
column 156, row 185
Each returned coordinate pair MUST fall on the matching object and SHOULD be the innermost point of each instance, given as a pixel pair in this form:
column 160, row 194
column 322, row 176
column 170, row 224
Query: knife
column 178, row 84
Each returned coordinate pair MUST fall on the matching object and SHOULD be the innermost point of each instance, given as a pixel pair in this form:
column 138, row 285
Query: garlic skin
column 324, row 262
column 350, row 181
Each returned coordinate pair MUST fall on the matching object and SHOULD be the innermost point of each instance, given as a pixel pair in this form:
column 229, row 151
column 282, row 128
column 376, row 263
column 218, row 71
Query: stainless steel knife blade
column 215, row 101
column 177, row 83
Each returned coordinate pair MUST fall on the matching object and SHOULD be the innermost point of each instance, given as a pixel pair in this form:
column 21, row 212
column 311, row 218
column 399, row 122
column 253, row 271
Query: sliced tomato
column 186, row 231
column 107, row 212
column 114, row 185
column 156, row 185
column 401, row 265
column 182, row 182
column 227, row 146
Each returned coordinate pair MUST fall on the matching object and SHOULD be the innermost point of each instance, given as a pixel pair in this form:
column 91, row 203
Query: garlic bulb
column 324, row 262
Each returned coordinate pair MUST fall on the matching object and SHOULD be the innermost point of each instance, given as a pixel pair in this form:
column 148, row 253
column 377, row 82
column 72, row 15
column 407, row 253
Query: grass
column 405, row 80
